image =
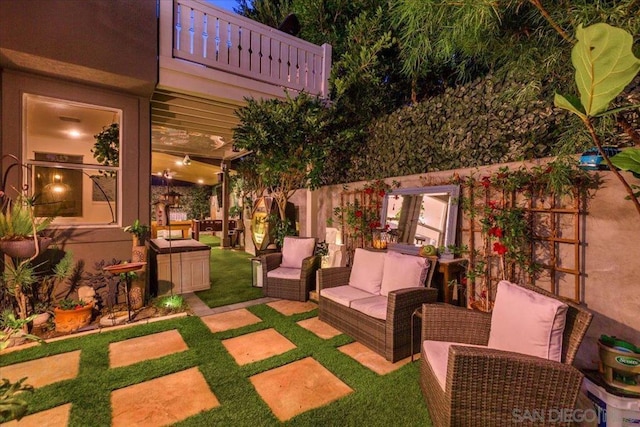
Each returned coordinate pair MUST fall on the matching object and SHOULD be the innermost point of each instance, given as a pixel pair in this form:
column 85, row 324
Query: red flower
column 358, row 214
column 499, row 248
column 368, row 191
column 493, row 204
column 496, row 232
column 381, row 193
column 486, row 182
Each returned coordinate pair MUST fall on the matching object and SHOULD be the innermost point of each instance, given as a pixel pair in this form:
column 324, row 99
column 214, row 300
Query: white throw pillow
column 403, row 271
column 296, row 249
column 527, row 322
column 366, row 272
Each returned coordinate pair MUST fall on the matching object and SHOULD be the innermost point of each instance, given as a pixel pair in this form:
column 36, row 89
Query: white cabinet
column 185, row 271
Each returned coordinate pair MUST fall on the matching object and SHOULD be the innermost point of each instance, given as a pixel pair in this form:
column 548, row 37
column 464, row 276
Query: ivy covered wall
column 467, row 126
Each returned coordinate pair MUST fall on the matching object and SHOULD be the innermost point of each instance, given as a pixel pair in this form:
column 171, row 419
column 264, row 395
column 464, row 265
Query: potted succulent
column 19, row 228
column 71, row 314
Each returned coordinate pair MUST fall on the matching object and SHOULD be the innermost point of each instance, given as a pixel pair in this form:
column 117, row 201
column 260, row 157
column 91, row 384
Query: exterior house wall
column 609, row 233
column 94, row 52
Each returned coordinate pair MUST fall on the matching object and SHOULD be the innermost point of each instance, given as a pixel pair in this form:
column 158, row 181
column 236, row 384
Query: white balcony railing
column 224, row 41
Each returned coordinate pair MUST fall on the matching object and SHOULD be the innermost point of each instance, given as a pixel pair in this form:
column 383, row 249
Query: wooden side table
column 449, row 268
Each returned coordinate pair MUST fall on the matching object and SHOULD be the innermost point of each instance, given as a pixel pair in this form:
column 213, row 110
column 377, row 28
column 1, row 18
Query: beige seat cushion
column 403, row 271
column 527, row 322
column 344, row 294
column 366, row 272
column 375, row 306
column 295, row 250
column 437, row 354
column 285, row 273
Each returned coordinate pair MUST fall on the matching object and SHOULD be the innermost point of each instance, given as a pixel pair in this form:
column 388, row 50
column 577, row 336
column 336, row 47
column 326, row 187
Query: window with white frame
column 72, row 151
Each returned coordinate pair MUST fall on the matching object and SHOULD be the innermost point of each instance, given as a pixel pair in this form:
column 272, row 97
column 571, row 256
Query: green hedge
column 470, row 125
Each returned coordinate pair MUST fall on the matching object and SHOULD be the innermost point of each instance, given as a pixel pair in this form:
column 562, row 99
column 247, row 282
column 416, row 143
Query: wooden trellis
column 553, row 224
column 368, row 202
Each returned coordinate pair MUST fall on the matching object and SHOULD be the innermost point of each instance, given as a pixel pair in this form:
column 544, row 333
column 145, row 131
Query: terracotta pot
column 24, row 248
column 72, row 320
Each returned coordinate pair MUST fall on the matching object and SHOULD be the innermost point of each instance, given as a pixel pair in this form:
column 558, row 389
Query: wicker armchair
column 485, row 386
column 288, row 281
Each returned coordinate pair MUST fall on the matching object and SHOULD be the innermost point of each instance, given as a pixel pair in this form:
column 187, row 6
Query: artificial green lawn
column 389, row 400
column 230, row 275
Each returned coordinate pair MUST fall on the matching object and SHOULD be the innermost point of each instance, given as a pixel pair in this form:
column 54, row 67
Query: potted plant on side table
column 140, row 233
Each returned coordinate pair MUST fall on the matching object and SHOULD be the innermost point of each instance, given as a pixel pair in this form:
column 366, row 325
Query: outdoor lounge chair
column 480, row 382
column 291, row 274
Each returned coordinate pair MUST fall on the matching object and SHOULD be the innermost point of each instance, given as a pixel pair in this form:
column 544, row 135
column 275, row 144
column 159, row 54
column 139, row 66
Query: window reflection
column 68, row 179
column 422, row 215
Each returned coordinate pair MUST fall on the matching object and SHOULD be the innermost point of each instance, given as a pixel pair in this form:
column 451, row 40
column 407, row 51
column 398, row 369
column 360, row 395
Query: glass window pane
column 74, row 173
column 86, row 195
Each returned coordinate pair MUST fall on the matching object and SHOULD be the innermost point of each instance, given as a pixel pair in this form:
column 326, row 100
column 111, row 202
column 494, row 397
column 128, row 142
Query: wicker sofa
column 380, row 322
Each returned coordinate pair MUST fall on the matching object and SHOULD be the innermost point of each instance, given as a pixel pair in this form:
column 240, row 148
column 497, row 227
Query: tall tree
column 287, row 139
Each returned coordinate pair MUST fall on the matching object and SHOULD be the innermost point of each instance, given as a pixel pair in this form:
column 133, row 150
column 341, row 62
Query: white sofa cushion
column 296, row 249
column 285, row 273
column 437, row 354
column 403, row 271
column 527, row 322
column 375, row 306
column 344, row 294
column 366, row 272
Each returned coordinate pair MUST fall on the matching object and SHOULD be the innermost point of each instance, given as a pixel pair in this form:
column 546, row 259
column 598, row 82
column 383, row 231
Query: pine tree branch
column 551, row 21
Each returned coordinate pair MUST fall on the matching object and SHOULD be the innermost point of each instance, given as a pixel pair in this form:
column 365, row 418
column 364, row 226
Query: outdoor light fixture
column 187, row 160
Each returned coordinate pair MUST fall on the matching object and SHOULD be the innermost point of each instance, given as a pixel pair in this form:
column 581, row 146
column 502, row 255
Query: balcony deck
column 210, row 60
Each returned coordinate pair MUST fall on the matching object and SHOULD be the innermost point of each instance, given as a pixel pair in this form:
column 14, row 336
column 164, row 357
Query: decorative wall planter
column 24, row 248
column 72, row 320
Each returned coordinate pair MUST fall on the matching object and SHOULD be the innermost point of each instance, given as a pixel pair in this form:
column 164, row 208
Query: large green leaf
column 628, row 160
column 571, row 103
column 604, row 64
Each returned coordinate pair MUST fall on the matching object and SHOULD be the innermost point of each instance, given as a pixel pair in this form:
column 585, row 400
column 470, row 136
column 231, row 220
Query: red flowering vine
column 499, row 248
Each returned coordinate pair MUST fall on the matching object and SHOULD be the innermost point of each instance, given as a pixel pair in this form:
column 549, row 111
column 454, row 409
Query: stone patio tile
column 230, row 320
column 257, row 346
column 288, row 308
column 44, row 371
column 154, row 346
column 371, row 359
column 162, row 401
column 58, row 416
column 320, row 328
column 298, row 387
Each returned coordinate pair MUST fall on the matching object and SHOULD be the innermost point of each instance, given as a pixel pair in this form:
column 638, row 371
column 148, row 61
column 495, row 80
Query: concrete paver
column 163, row 400
column 298, row 387
column 320, row 328
column 289, row 308
column 371, row 359
column 45, row 371
column 58, row 416
column 257, row 346
column 154, row 346
column 230, row 320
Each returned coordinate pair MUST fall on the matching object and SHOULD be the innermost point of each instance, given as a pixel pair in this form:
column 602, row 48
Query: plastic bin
column 611, row 410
